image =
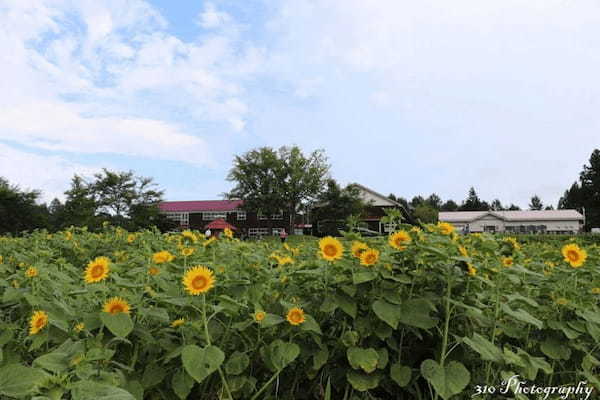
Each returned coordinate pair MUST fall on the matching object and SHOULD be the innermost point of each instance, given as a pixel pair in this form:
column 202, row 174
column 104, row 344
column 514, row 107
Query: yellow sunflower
column 79, row 327
column 190, row 236
column 596, row 290
column 130, row 238
column 177, row 322
column 369, row 257
column 399, row 240
column 162, row 257
column 507, row 261
column 331, row 248
column 463, row 251
column 295, row 316
column 153, row 271
column 472, row 270
column 574, row 255
column 259, row 316
column 116, row 305
column 198, row 280
column 228, row 233
column 445, row 228
column 38, row 321
column 97, row 270
column 209, row 241
column 187, row 251
column 358, row 248
column 31, row 272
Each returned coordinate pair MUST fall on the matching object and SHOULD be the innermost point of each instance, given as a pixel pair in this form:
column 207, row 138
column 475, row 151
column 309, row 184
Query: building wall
column 572, row 226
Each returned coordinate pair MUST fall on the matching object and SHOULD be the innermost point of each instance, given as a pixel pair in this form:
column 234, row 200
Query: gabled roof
column 381, row 199
column 511, row 216
column 200, row 205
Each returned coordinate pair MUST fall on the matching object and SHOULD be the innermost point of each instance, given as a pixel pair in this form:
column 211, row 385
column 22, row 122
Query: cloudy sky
column 405, row 97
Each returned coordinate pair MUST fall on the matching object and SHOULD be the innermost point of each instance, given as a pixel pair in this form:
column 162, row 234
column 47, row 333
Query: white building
column 547, row 221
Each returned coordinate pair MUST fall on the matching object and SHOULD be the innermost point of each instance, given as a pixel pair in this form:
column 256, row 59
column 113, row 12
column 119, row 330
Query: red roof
column 220, row 224
column 201, row 205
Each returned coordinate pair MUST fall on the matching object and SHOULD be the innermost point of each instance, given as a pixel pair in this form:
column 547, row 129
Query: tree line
column 268, row 180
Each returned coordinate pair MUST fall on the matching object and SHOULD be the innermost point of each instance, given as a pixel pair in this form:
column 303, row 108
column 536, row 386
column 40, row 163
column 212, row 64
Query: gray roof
column 542, row 215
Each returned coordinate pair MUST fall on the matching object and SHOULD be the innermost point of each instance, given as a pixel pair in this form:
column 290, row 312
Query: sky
column 405, row 97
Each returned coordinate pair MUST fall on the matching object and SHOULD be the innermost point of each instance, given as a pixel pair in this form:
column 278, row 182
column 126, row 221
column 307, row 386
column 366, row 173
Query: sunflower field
column 421, row 314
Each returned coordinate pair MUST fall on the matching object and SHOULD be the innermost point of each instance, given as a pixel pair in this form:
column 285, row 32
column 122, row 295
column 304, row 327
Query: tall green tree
column 19, row 209
column 80, row 206
column 536, row 203
column 337, row 203
column 270, row 181
column 496, row 205
column 425, row 213
column 473, row 202
column 449, row 205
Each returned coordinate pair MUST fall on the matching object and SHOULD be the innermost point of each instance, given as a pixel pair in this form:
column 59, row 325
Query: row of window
column 184, row 218
column 264, row 231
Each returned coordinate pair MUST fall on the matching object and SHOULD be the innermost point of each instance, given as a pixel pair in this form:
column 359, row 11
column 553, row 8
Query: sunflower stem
column 205, row 323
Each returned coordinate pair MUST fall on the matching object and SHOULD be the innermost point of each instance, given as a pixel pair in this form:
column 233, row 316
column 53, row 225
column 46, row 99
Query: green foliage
column 19, row 210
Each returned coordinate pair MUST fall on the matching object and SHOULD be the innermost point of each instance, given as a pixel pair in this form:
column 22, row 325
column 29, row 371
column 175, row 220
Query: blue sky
column 405, row 97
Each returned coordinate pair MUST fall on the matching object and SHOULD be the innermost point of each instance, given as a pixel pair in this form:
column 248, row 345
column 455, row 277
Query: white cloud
column 32, row 171
column 211, row 18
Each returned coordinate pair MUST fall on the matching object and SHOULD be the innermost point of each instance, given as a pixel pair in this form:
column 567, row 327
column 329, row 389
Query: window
column 261, row 216
column 389, row 227
column 278, row 216
column 258, row 232
column 241, row 215
column 182, row 218
column 277, row 231
column 212, row 215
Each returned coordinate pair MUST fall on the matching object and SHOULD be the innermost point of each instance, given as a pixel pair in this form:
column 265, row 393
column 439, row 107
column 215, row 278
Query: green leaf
column 347, row 304
column 201, row 362
column 182, row 384
column 555, row 349
column 153, row 375
column 18, row 381
column 310, row 324
column 362, row 382
column 237, row 363
column 484, row 347
column 120, row 324
column 90, row 390
column 350, row 338
column 415, row 312
column 363, row 276
column 279, row 354
column 522, row 316
column 134, row 387
column 387, row 312
column 54, row 362
column 320, row 358
column 270, row 320
column 447, row 380
column 401, row 374
column 365, row 359
column 383, row 358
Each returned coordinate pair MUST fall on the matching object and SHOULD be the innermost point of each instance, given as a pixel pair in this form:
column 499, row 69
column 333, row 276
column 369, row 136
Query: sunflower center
column 116, row 308
column 296, row 317
column 97, row 271
column 330, row 250
column 199, row 282
column 370, row 258
column 572, row 255
column 39, row 323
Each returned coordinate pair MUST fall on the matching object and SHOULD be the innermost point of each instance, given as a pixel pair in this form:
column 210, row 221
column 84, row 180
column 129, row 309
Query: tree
column 336, row 203
column 434, row 201
column 425, row 213
column 473, row 203
column 590, row 190
column 80, row 206
column 572, row 198
column 513, row 207
column 496, row 205
column 536, row 203
column 269, row 181
column 19, row 210
column 449, row 205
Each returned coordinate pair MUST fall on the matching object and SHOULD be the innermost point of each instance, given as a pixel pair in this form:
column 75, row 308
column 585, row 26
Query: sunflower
column 38, row 321
column 463, row 251
column 358, row 248
column 259, row 316
column 472, row 270
column 399, row 240
column 574, row 255
column 295, row 316
column 198, row 280
column 162, row 257
column 190, row 236
column 153, row 271
column 116, row 305
column 369, row 257
column 130, row 238
column 331, row 248
column 177, row 322
column 228, row 233
column 97, row 270
column 596, row 290
column 79, row 327
column 31, row 272
column 187, row 251
column 513, row 242
column 507, row 261
column 209, row 241
column 445, row 228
